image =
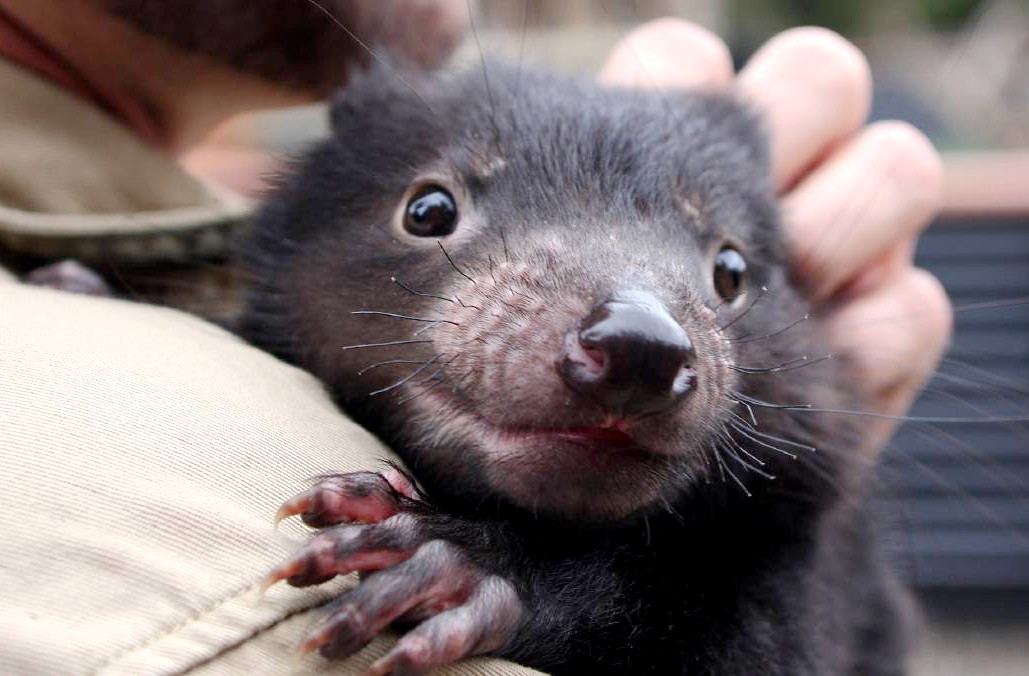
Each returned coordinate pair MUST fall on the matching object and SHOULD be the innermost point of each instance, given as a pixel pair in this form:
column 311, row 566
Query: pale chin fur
column 547, row 477
column 525, row 474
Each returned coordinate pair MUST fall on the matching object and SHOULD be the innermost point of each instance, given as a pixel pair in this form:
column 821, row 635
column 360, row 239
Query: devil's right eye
column 729, row 274
column 431, row 212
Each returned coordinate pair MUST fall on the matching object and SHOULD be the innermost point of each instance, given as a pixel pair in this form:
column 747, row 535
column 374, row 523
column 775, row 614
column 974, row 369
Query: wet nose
column 630, row 356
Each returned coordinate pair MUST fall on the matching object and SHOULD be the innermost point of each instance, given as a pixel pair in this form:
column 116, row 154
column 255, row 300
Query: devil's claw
column 359, row 497
column 346, row 549
column 468, row 613
column 484, row 623
column 416, row 571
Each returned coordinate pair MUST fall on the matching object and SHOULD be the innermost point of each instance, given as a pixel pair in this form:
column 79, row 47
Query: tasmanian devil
column 568, row 309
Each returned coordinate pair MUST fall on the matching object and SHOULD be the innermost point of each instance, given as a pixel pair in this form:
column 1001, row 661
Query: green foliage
column 947, row 14
column 840, row 15
column 856, row 16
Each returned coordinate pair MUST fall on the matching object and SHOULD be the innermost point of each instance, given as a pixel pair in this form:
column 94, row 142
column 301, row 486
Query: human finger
column 893, row 337
column 883, row 187
column 812, row 89
column 668, row 53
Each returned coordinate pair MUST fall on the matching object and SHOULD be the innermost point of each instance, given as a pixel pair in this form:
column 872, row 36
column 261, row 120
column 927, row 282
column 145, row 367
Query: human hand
column 854, row 197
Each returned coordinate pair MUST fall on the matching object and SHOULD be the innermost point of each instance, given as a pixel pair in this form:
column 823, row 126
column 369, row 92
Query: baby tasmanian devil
column 567, row 308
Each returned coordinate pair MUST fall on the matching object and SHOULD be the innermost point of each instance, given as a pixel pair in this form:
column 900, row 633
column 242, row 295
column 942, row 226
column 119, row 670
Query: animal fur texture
column 726, row 534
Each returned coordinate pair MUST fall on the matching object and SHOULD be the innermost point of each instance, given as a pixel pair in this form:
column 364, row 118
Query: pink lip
column 607, row 436
column 613, row 433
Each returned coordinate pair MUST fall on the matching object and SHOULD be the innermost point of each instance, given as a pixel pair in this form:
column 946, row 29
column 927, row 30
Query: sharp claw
column 303, row 650
column 265, row 585
column 293, row 567
column 316, row 639
column 300, row 504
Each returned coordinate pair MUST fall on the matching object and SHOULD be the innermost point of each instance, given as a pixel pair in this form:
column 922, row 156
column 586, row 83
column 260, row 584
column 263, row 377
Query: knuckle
column 927, row 295
column 401, row 521
column 833, row 63
column 498, row 607
column 402, row 530
column 503, row 597
column 433, row 559
column 339, row 538
column 439, row 550
column 671, row 51
column 914, row 162
column 499, row 587
column 351, row 620
column 414, row 649
column 338, row 533
column 702, row 46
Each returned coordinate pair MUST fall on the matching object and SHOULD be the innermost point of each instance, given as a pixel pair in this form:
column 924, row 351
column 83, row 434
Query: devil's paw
column 426, row 571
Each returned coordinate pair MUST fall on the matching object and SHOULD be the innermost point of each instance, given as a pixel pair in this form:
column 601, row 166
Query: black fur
column 568, row 193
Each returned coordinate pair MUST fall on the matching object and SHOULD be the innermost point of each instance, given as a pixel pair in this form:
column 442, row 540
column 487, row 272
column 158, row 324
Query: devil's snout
column 630, row 356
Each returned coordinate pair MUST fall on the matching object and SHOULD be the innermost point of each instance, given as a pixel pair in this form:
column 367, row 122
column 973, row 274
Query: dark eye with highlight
column 730, row 273
column 431, row 212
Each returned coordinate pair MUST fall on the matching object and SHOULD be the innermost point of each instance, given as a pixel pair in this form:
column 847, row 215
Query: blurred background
column 956, row 494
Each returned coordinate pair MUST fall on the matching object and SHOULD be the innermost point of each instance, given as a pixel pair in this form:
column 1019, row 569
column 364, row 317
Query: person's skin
column 169, row 97
column 173, row 97
column 854, row 197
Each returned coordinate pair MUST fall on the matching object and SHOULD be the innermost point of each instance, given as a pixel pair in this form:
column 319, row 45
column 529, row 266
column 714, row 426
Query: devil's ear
column 382, row 89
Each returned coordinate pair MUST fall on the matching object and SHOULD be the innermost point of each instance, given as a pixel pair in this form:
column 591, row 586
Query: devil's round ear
column 382, row 89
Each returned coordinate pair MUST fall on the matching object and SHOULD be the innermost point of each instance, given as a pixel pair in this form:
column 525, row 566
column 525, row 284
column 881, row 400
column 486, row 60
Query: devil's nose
column 630, row 356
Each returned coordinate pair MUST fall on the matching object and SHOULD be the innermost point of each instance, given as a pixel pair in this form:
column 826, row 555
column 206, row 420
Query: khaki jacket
column 75, row 184
column 143, row 451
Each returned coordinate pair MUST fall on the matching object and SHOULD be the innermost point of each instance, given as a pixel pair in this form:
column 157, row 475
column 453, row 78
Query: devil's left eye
column 431, row 212
column 730, row 273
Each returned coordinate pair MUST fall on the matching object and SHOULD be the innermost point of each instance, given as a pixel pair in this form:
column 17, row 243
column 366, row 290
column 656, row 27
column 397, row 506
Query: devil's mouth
column 601, row 471
column 593, row 436
column 613, row 434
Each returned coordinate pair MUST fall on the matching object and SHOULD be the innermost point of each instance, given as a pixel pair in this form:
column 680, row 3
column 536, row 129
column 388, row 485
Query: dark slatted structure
column 958, row 494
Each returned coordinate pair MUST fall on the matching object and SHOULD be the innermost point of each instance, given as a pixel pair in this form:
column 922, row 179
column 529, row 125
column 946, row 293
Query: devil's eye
column 730, row 273
column 431, row 212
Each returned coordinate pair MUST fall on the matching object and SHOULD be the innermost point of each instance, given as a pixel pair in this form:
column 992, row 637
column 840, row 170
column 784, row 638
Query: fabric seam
column 149, row 642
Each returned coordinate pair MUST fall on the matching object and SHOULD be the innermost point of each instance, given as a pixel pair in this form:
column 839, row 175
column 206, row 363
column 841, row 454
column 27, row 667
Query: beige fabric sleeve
column 143, row 453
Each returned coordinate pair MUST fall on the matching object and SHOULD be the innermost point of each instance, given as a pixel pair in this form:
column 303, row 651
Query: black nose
column 630, row 356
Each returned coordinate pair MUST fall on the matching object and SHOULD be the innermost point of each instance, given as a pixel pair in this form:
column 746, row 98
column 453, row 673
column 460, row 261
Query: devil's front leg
column 448, row 578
